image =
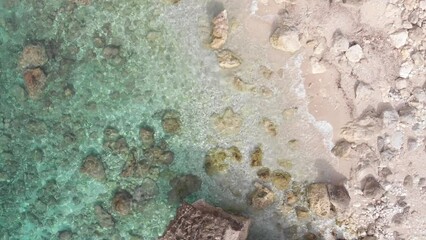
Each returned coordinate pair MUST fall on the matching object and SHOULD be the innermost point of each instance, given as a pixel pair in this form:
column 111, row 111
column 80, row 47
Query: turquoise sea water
column 155, row 70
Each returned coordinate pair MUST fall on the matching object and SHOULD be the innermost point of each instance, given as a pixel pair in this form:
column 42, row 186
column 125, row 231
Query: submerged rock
column 33, row 56
column 114, row 142
column 256, row 157
column 122, row 202
column 183, row 186
column 228, row 59
column 270, row 126
column 171, row 122
column 220, row 30
column 228, row 122
column 280, row 179
column 35, row 81
column 262, row 197
column 104, row 218
column 93, row 167
column 146, row 135
column 215, row 160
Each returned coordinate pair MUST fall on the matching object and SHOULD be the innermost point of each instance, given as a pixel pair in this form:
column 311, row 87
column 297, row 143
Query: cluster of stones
column 155, row 156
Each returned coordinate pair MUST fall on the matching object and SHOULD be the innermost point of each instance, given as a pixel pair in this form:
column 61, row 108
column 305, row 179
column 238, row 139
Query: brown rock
column 262, row 197
column 122, row 202
column 256, row 157
column 342, row 149
column 93, row 167
column 281, row 179
column 171, row 122
column 146, row 135
column 228, row 59
column 302, row 213
column 33, row 56
column 264, row 173
column 319, row 202
column 235, row 153
column 35, row 81
column 269, row 126
column 104, row 218
column 220, row 30
column 215, row 161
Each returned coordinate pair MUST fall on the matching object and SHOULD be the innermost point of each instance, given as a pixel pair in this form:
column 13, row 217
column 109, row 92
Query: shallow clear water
column 159, row 67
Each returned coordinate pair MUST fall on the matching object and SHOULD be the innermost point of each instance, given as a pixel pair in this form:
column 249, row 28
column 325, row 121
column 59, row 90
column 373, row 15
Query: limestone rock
column 33, row 56
column 285, row 38
column 361, row 129
column 319, row 202
column 262, row 197
column 399, row 38
column 354, row 53
column 202, row 221
column 371, row 188
column 264, row 173
column 220, row 30
column 339, row 196
column 228, row 59
column 228, row 122
column 302, row 213
column 363, row 90
column 93, row 167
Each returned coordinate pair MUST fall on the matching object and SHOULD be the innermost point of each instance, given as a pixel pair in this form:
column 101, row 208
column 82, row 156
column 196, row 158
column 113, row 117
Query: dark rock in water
column 183, row 186
column 146, row 191
column 104, row 218
column 157, row 155
column 122, row 202
column 339, row 196
column 146, row 135
column 111, row 52
column 371, row 187
column 114, row 142
column 202, row 221
column 65, row 235
column 33, row 56
column 171, row 122
column 35, row 80
column 93, row 167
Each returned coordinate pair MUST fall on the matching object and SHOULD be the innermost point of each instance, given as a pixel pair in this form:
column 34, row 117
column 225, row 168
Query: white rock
column 399, row 38
column 406, row 69
column 354, row 53
column 418, row 58
column 363, row 90
column 341, row 44
column 390, row 118
column 422, row 4
column 401, row 84
column 320, row 48
column 316, row 66
column 286, row 39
